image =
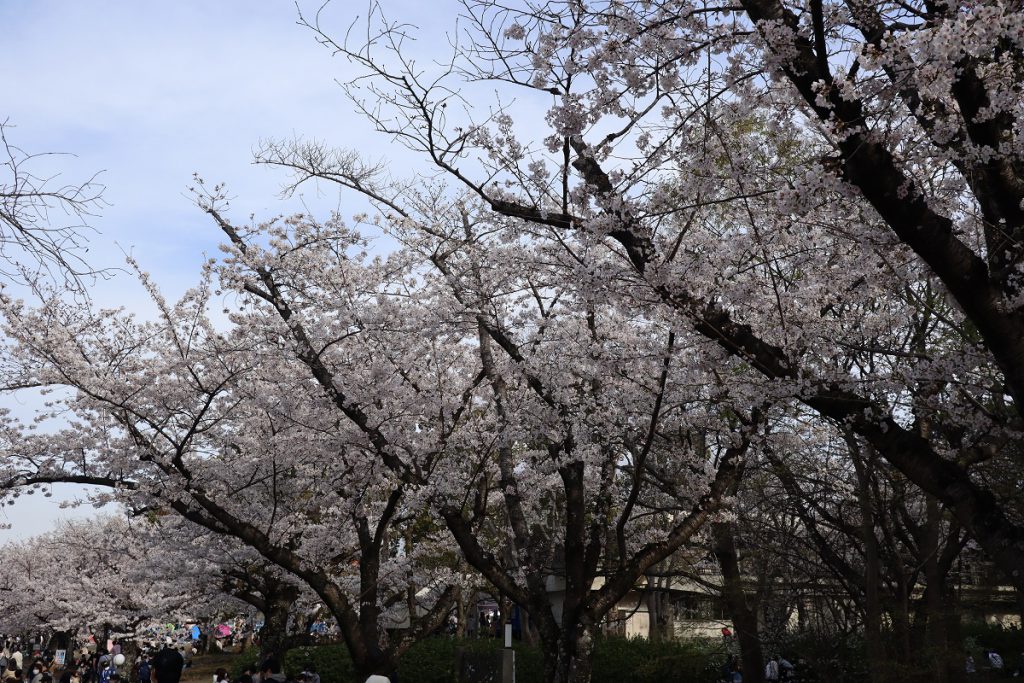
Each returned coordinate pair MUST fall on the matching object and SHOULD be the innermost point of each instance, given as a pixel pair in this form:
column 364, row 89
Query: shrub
column 821, row 658
column 645, row 661
column 1008, row 641
column 332, row 662
column 433, row 661
column 429, row 661
column 248, row 659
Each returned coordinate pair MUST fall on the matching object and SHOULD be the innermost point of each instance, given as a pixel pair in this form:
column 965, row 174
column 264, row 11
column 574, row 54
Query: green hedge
column 842, row 660
column 247, row 659
column 617, row 660
column 1007, row 641
column 645, row 661
column 433, row 661
column 429, row 661
column 332, row 662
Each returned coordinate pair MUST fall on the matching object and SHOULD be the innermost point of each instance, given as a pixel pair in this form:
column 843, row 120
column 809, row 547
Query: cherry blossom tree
column 217, row 569
column 107, row 575
column 555, row 442
column 722, row 215
column 807, row 185
column 228, row 430
column 612, row 449
column 466, row 374
column 823, row 509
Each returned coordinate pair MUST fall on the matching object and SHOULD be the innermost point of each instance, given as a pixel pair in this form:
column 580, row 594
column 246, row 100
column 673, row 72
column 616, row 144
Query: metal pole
column 508, row 660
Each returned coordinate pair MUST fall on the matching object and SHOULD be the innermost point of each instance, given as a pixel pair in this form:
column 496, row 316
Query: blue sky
column 151, row 92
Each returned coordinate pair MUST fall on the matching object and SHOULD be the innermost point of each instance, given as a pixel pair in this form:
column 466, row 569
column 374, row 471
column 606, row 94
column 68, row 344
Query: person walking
column 38, row 671
column 771, row 670
column 731, row 672
column 108, row 671
column 270, row 671
column 167, row 664
column 995, row 662
column 145, row 673
column 787, row 672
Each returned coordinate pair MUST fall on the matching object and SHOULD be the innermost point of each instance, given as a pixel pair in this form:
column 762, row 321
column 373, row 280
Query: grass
column 205, row 666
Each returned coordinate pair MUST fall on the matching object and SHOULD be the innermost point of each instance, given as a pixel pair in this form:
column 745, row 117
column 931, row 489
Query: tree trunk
column 901, row 620
column 528, row 632
column 568, row 659
column 461, row 615
column 744, row 619
column 376, row 662
column 657, row 620
column 935, row 628
column 60, row 640
column 273, row 635
column 954, row 637
column 872, row 600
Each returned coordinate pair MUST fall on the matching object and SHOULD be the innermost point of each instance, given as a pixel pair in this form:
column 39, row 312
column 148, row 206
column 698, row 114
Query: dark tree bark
column 657, row 599
column 274, row 597
column 743, row 617
column 274, row 638
column 872, row 566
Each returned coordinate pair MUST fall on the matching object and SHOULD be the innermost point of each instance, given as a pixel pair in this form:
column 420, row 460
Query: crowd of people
column 20, row 664
column 161, row 660
column 13, row 664
column 167, row 665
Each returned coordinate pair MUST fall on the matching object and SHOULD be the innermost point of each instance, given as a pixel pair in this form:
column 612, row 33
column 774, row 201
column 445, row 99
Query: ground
column 204, row 666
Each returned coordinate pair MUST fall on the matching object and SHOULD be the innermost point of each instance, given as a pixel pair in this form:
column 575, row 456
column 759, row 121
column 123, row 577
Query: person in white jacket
column 771, row 669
